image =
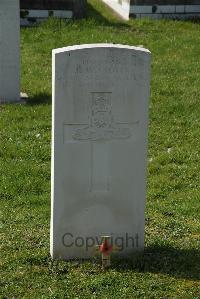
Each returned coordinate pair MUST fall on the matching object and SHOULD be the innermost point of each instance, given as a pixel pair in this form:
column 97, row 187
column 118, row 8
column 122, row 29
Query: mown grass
column 169, row 267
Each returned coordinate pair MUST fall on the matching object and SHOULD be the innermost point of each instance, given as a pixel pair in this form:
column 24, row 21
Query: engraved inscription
column 102, row 125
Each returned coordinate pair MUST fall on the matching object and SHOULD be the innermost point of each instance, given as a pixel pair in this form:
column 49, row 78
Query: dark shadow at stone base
column 179, row 263
column 39, row 99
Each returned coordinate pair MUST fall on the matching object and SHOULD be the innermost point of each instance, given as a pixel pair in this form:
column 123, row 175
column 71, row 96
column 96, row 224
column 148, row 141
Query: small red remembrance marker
column 105, row 248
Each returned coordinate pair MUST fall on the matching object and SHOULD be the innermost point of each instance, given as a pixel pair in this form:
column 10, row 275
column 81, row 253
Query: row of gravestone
column 33, row 11
column 156, row 9
column 99, row 142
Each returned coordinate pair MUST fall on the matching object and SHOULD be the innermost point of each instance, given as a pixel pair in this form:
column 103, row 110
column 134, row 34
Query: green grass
column 169, row 266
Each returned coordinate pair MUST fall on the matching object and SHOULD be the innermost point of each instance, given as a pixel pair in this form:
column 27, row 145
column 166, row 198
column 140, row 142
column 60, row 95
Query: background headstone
column 99, row 147
column 121, row 7
column 33, row 11
column 9, row 51
column 156, row 9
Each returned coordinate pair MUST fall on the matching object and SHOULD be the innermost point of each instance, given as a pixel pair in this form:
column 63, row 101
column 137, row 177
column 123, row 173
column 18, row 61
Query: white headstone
column 99, row 148
column 9, row 51
column 121, row 7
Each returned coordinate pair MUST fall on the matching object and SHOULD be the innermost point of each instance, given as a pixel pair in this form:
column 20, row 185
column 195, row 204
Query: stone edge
column 92, row 46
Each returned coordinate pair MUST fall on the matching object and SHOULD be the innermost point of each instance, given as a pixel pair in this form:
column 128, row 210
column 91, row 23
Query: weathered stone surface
column 99, row 146
column 9, row 51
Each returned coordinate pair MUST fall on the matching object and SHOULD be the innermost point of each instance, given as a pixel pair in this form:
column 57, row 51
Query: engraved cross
column 99, row 132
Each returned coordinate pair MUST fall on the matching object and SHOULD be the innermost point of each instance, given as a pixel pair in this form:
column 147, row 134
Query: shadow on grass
column 179, row 263
column 40, row 98
column 194, row 20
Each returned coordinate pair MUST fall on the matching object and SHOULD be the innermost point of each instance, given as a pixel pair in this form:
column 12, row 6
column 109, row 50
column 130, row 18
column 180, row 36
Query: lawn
column 169, row 266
